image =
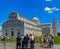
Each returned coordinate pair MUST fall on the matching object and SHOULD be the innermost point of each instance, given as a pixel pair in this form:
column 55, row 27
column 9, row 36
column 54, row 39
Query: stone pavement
column 13, row 46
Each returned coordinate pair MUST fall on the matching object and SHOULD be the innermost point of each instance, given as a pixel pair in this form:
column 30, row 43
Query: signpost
column 4, row 42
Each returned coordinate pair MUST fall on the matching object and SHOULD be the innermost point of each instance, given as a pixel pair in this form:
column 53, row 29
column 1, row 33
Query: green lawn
column 56, row 39
column 9, row 40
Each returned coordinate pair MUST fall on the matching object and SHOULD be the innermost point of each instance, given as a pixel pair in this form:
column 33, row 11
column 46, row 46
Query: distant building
column 19, row 24
column 55, row 26
column 46, row 28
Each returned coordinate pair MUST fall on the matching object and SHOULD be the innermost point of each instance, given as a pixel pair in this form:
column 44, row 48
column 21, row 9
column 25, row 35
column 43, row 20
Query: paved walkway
column 13, row 46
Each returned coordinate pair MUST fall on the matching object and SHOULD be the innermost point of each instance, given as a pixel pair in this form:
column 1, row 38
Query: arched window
column 11, row 28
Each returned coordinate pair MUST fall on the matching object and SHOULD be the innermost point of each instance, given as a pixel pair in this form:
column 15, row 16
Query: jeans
column 17, row 46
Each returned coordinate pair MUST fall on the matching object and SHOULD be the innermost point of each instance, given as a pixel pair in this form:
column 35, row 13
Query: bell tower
column 55, row 26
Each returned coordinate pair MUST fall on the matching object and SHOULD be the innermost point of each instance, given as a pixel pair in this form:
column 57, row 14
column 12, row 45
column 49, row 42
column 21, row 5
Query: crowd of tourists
column 23, row 42
column 28, row 41
column 46, row 41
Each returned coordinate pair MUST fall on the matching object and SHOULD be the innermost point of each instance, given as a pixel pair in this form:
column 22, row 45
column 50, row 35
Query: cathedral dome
column 35, row 18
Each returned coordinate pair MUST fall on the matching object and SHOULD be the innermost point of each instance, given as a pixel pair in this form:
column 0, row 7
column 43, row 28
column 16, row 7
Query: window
column 11, row 28
column 18, row 30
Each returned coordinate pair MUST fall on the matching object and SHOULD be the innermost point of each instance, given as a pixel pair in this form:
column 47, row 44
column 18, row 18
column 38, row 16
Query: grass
column 10, row 40
column 37, row 40
column 57, row 39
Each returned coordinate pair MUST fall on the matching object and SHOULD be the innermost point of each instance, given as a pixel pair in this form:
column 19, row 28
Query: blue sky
column 45, row 10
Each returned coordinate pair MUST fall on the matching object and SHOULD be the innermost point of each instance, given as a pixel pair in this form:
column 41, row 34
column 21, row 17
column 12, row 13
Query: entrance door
column 12, row 33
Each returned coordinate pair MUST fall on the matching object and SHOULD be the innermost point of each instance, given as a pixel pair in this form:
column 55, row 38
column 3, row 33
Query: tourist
column 41, row 38
column 18, row 43
column 26, row 39
column 23, row 42
column 3, row 37
column 31, row 41
column 45, row 44
column 51, row 42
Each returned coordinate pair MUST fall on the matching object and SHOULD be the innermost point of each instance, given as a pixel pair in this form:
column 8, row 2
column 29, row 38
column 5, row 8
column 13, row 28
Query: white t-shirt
column 22, row 38
column 32, row 37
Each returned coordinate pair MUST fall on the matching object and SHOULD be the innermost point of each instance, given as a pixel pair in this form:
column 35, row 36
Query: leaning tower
column 55, row 27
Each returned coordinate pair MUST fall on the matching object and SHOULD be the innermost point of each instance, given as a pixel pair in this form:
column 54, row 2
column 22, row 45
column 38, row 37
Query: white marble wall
column 17, row 26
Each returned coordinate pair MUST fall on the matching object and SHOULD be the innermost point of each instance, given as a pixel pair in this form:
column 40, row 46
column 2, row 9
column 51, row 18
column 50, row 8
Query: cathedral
column 19, row 24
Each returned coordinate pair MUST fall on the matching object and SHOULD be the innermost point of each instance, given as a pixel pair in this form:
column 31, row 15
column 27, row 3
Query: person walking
column 18, row 43
column 31, row 41
column 23, row 42
column 51, row 42
column 26, row 39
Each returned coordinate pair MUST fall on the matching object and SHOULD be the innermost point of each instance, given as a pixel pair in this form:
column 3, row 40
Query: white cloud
column 51, row 10
column 48, row 0
column 57, row 9
column 47, row 9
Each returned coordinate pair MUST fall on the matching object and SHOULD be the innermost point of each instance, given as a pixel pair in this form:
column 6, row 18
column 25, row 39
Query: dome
column 35, row 18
